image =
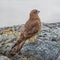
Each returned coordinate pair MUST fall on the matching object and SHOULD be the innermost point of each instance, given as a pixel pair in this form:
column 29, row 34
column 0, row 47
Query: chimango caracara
column 30, row 30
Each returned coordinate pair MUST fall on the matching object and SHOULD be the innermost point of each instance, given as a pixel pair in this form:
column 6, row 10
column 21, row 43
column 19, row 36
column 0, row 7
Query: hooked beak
column 38, row 11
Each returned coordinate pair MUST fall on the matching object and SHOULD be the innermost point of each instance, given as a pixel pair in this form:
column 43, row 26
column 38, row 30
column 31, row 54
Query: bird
column 31, row 29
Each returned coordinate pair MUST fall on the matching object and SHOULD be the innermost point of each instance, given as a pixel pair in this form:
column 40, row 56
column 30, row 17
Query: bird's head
column 34, row 13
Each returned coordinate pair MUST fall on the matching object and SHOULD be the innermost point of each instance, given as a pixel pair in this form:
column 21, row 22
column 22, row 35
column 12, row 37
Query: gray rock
column 46, row 46
column 48, row 50
column 4, row 58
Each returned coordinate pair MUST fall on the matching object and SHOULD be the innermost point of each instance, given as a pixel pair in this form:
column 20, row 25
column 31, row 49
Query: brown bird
column 30, row 30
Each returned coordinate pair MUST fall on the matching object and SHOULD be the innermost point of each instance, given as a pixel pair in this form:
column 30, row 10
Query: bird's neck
column 34, row 17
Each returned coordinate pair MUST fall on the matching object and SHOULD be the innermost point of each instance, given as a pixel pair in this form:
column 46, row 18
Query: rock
column 4, row 58
column 46, row 46
column 48, row 50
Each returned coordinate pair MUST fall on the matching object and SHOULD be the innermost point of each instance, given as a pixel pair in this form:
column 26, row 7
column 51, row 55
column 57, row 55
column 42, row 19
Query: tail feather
column 17, row 43
column 17, row 47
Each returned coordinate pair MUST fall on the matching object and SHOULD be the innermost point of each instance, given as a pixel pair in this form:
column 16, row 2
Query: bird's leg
column 33, row 39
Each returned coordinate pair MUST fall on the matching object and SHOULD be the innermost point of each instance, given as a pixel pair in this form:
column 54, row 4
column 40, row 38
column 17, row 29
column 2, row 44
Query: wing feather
column 30, row 31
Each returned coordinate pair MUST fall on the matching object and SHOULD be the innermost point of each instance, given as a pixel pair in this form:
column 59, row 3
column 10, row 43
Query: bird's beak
column 38, row 11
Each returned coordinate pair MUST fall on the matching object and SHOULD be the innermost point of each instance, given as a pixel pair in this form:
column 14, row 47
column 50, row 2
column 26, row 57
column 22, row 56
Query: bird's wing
column 31, row 31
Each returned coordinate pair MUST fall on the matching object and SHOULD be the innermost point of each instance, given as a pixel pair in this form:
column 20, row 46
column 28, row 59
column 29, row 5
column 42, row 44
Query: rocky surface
column 4, row 58
column 46, row 46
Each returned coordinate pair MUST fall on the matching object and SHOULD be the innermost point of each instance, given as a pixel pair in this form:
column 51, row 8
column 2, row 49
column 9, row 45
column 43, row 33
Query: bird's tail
column 17, row 47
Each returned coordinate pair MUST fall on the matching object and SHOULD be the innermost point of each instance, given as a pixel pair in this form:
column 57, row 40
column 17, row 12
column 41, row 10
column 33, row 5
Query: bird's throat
column 34, row 17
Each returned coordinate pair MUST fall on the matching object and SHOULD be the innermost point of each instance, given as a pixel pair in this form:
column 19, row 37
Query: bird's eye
column 36, row 11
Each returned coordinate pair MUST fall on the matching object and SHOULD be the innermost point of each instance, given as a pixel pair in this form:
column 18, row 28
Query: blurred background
column 14, row 12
